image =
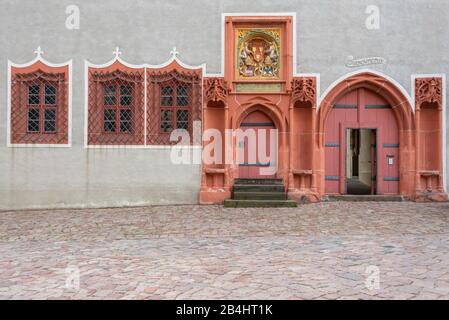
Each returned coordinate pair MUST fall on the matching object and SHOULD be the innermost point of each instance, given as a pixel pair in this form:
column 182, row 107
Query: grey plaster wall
column 413, row 38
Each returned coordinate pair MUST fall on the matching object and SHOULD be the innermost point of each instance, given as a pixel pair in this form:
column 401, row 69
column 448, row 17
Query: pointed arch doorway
column 361, row 145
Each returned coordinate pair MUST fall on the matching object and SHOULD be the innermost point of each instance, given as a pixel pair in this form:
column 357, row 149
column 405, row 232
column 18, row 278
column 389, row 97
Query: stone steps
column 361, row 198
column 232, row 203
column 258, row 188
column 259, row 193
column 259, row 181
column 251, row 195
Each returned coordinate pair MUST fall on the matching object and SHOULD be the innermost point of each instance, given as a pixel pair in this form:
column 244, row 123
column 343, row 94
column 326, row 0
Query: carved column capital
column 428, row 90
column 216, row 90
column 304, row 90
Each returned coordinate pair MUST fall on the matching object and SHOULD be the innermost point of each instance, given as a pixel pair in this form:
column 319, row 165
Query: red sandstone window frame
column 117, row 76
column 174, row 76
column 39, row 73
column 146, row 95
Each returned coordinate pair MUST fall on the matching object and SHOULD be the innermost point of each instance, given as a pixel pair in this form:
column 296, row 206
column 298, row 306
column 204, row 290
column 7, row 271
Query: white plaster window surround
column 117, row 57
column 47, row 63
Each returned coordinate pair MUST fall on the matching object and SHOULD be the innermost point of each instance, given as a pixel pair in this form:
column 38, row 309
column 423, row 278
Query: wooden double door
column 361, row 144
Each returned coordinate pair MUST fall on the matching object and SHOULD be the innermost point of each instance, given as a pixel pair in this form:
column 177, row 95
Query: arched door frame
column 271, row 111
column 402, row 110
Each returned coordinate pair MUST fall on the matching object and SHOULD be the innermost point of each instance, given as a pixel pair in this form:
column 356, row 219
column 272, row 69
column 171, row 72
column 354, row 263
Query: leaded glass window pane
column 33, row 120
column 166, row 120
column 125, row 95
column 110, row 121
column 166, row 96
column 50, row 120
column 182, row 96
column 110, row 98
column 50, row 94
column 182, row 119
column 125, row 120
column 33, row 94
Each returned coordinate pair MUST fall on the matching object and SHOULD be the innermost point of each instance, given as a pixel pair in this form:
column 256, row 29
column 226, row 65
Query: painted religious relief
column 258, row 54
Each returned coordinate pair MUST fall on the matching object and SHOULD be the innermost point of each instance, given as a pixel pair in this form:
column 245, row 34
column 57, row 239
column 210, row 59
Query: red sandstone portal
column 312, row 139
column 362, row 108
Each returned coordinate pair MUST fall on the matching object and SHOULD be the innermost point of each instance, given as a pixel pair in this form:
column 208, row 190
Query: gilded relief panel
column 258, row 54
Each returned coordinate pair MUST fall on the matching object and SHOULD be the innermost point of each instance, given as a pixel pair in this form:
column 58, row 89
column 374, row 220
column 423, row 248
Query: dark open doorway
column 361, row 167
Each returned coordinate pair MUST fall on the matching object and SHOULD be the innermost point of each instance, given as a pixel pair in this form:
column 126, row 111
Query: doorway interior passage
column 361, row 169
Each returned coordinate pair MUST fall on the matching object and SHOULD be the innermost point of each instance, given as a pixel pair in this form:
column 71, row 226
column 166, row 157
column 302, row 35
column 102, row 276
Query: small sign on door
column 390, row 160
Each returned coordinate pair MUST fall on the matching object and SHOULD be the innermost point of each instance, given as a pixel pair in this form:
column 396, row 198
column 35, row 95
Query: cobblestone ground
column 321, row 251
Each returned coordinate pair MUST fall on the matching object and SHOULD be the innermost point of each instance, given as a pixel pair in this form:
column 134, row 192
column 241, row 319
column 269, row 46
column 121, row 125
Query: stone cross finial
column 39, row 52
column 117, row 52
column 174, row 53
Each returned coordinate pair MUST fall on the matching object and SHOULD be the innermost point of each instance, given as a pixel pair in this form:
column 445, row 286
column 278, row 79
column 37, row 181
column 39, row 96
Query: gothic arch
column 375, row 82
column 398, row 98
column 264, row 106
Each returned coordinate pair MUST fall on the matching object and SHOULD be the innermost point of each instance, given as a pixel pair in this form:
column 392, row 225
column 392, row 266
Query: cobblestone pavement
column 326, row 250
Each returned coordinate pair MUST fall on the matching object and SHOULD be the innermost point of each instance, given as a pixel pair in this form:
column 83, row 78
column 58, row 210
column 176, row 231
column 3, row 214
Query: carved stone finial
column 216, row 90
column 174, row 53
column 304, row 90
column 39, row 52
column 428, row 90
column 117, row 52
